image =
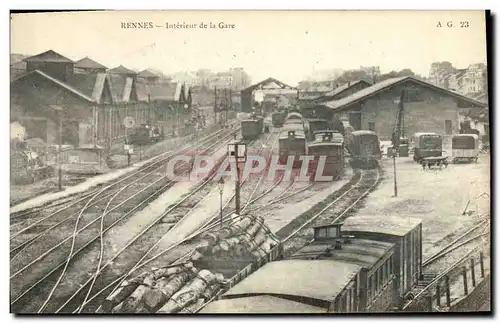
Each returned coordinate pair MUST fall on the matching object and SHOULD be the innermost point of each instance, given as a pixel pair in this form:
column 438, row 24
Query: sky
column 287, row 45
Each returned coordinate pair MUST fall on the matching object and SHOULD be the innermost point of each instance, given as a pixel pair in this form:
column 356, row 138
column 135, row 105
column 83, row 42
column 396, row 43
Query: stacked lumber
column 184, row 288
column 181, row 288
column 245, row 237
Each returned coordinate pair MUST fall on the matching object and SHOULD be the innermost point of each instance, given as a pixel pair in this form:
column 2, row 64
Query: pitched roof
column 48, row 56
column 332, row 94
column 89, row 63
column 267, row 81
column 386, row 84
column 316, row 279
column 262, row 304
column 147, row 73
column 63, row 85
column 121, row 70
column 89, row 84
column 170, row 91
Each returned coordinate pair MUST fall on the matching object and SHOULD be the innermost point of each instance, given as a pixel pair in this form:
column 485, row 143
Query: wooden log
column 155, row 298
column 175, row 283
column 210, row 291
column 117, row 309
column 131, row 304
column 210, row 238
column 189, row 293
column 124, row 291
column 168, row 271
column 196, row 255
column 227, row 244
column 260, row 237
column 243, row 224
column 193, row 307
column 256, row 225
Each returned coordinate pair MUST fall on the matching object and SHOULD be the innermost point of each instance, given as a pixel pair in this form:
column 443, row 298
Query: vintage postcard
column 180, row 162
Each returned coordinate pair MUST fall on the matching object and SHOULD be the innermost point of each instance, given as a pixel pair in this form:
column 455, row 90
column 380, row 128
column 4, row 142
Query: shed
column 247, row 94
column 427, row 107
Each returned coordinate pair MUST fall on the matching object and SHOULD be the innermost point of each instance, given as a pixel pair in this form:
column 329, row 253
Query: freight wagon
column 364, row 148
column 317, row 125
column 330, row 146
column 292, row 143
column 250, row 129
column 363, row 266
column 278, row 118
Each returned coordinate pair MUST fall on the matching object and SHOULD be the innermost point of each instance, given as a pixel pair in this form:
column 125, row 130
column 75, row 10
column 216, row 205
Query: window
column 448, row 127
column 371, row 126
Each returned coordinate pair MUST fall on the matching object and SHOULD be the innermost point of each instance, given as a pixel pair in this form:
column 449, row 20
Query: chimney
column 348, row 84
column 338, row 244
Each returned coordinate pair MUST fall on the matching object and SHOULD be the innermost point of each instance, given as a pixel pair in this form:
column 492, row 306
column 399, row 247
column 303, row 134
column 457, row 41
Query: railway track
column 134, row 248
column 54, row 254
column 179, row 250
column 448, row 261
column 183, row 250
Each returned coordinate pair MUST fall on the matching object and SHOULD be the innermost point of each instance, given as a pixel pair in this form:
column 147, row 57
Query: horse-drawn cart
column 434, row 161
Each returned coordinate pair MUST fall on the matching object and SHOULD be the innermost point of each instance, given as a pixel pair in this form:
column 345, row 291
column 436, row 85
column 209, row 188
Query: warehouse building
column 427, row 108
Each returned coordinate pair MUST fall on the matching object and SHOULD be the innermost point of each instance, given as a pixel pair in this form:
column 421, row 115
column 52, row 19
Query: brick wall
column 423, row 116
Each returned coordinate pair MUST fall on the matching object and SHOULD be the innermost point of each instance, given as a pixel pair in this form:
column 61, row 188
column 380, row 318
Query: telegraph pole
column 59, row 182
column 234, row 150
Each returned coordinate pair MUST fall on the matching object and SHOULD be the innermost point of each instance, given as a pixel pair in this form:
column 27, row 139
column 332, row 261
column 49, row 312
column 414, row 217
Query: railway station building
column 90, row 100
column 427, row 108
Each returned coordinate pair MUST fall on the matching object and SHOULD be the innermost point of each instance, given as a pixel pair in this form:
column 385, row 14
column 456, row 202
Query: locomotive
column 364, row 148
column 329, row 144
column 292, row 139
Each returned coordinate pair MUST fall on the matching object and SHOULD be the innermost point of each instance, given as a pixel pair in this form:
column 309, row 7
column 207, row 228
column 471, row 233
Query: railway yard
column 137, row 241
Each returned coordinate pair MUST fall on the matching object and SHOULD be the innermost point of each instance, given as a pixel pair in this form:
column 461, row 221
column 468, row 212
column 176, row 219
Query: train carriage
column 427, row 144
column 292, row 142
column 250, row 129
column 330, row 145
column 406, row 233
column 317, row 125
column 278, row 118
column 364, row 148
column 465, row 148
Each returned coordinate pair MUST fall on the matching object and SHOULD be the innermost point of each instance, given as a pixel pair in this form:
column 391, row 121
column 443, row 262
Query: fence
column 459, row 279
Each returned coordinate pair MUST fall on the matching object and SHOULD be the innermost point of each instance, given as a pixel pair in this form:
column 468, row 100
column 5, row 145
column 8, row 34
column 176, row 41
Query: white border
column 190, row 4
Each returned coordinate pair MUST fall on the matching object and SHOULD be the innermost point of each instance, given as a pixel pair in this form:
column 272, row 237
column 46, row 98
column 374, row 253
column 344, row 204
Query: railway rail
column 463, row 247
column 91, row 235
column 335, row 211
column 181, row 252
column 179, row 211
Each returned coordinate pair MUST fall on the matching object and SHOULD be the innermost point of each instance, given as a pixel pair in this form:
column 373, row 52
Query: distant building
column 123, row 71
column 51, row 62
column 148, row 76
column 87, row 65
column 440, row 72
column 475, row 79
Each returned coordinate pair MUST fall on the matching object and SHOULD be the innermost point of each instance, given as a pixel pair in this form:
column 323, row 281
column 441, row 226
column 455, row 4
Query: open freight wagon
column 221, row 259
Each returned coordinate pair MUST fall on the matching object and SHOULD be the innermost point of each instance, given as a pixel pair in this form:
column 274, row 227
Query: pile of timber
column 176, row 289
column 247, row 237
column 184, row 288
